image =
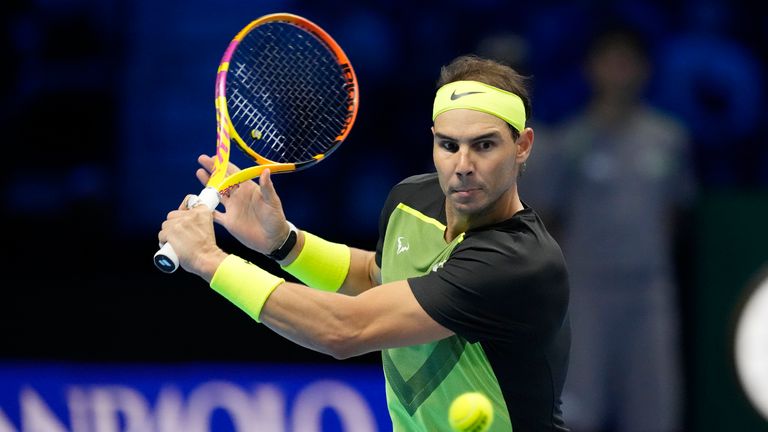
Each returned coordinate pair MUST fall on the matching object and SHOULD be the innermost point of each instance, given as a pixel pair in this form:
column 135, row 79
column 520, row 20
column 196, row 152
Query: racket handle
column 165, row 258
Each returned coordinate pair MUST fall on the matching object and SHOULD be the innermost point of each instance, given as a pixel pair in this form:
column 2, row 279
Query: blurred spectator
column 623, row 173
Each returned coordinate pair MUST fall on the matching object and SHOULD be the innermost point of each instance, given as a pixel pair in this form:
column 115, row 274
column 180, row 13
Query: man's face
column 477, row 161
column 618, row 70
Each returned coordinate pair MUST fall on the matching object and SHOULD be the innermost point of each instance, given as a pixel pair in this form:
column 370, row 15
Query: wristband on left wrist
column 281, row 252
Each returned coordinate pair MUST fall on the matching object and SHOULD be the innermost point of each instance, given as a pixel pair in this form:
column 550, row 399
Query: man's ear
column 524, row 145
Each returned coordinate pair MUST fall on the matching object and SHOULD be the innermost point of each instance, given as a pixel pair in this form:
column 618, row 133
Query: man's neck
column 458, row 223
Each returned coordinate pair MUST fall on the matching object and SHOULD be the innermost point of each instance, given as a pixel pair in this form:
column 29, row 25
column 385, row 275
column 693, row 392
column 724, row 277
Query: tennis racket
column 286, row 94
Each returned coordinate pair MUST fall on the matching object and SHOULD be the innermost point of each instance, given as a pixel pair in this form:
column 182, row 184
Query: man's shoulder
column 416, row 189
column 420, row 192
column 418, row 181
column 661, row 128
column 522, row 238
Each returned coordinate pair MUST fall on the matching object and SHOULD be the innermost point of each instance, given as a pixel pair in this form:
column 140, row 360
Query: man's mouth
column 463, row 188
column 464, row 191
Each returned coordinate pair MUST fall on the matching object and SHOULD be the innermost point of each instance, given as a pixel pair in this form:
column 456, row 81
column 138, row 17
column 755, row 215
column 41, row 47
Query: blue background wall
column 107, row 103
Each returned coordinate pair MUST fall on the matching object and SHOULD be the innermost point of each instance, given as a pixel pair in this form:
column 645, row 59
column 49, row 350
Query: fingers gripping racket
column 286, row 94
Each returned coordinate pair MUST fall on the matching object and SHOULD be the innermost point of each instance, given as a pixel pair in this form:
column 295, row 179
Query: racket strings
column 287, row 95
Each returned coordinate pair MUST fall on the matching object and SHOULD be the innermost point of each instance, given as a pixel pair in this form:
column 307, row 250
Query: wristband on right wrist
column 321, row 264
column 244, row 284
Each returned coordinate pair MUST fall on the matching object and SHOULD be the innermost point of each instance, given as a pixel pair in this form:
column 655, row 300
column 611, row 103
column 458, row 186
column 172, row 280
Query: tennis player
column 466, row 290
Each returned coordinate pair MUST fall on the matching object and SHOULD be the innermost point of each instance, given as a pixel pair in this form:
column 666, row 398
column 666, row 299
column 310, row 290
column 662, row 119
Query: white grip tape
column 165, row 258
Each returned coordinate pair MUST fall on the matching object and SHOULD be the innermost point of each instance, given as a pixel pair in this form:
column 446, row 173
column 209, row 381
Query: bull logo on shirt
column 402, row 245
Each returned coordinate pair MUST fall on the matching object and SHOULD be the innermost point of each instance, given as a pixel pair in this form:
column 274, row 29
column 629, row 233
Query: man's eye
column 449, row 145
column 485, row 145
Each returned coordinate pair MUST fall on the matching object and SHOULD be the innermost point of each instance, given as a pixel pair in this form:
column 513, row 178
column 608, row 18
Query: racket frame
column 219, row 182
column 226, row 131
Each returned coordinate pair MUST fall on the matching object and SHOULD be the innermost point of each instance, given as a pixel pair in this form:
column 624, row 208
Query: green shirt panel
column 422, row 380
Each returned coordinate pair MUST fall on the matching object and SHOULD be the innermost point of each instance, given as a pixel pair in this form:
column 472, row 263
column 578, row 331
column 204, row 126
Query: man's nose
column 464, row 164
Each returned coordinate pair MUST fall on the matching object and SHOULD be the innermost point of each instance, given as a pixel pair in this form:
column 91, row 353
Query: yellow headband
column 481, row 97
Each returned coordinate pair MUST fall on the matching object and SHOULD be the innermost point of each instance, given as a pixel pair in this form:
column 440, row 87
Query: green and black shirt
column 502, row 289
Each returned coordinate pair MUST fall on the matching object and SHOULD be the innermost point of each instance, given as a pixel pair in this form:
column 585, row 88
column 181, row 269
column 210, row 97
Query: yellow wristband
column 244, row 284
column 321, row 264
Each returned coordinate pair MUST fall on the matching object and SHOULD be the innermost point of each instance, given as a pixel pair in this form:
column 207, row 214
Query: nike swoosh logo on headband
column 455, row 95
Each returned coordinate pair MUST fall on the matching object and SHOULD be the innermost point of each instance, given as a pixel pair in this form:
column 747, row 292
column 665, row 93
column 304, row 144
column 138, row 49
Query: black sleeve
column 386, row 211
column 497, row 286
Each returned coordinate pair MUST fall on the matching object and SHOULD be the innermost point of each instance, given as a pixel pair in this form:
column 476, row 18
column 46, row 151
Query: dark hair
column 487, row 71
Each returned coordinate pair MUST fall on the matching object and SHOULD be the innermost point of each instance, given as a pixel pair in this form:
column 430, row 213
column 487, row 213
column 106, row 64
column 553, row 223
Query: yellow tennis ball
column 471, row 412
